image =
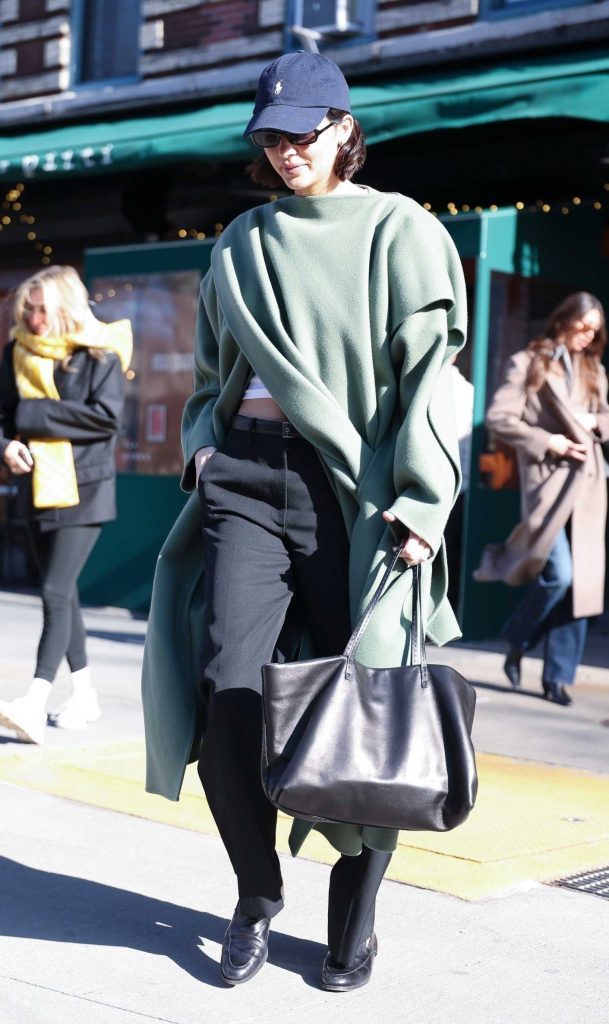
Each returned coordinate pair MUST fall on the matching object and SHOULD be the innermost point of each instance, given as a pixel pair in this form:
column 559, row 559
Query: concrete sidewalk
column 107, row 917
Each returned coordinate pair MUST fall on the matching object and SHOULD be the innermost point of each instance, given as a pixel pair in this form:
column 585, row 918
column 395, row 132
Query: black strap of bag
column 417, row 641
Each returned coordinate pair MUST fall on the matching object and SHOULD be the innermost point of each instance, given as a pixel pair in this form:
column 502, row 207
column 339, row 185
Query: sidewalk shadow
column 118, row 637
column 59, row 908
column 509, row 690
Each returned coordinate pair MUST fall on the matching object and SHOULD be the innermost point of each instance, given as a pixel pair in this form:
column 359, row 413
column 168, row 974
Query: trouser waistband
column 282, row 428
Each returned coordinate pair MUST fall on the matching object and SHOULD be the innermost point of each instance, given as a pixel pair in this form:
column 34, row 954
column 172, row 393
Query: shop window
column 516, row 8
column 162, row 308
column 314, row 24
column 106, row 40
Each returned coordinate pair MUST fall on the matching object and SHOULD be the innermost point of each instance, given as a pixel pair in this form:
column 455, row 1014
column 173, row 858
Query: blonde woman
column 61, row 398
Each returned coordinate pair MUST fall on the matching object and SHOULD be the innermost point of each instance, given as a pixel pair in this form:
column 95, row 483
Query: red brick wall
column 210, row 23
column 29, row 10
column 30, row 57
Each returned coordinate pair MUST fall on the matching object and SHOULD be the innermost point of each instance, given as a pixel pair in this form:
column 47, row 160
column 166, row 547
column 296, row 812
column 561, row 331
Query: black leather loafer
column 557, row 694
column 336, row 977
column 511, row 667
column 245, row 948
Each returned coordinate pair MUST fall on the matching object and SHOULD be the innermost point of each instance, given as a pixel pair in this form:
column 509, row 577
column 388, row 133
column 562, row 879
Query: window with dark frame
column 107, row 40
column 338, row 21
column 516, row 8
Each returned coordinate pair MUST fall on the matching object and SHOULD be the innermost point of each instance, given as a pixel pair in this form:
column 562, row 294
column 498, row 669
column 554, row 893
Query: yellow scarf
column 54, row 475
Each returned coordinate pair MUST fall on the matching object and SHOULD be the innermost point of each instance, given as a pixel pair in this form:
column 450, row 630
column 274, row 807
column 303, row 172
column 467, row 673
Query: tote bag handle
column 417, row 641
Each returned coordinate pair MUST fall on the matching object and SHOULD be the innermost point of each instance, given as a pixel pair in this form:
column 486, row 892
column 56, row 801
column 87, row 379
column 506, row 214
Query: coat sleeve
column 505, row 415
column 426, row 469
column 82, row 422
column 8, row 399
column 602, row 413
column 197, row 419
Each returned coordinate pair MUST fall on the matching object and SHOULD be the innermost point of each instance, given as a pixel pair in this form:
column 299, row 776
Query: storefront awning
column 577, row 87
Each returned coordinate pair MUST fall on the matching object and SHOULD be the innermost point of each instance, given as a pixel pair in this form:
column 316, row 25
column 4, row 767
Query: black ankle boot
column 245, row 948
column 511, row 666
column 557, row 694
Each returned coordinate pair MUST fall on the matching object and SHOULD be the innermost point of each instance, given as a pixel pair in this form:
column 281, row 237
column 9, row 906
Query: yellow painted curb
column 532, row 822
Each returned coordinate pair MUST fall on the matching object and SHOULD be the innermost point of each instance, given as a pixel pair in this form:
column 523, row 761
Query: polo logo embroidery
column 278, row 88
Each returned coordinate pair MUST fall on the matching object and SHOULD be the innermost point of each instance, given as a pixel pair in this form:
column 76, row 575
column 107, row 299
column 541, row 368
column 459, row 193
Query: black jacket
column 91, row 393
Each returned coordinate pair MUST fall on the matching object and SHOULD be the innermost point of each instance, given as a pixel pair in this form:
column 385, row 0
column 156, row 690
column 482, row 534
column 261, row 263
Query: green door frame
column 490, row 238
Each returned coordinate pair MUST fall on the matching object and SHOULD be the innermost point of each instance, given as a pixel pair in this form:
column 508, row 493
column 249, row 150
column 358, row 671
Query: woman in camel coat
column 552, row 408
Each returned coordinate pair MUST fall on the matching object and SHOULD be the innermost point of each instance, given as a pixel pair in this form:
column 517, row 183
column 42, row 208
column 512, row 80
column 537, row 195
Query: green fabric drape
column 576, row 86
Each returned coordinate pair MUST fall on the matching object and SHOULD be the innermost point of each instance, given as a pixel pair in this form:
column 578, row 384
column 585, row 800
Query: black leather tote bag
column 387, row 747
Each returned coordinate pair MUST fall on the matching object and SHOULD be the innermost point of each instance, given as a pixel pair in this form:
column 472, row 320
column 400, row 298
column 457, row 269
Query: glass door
column 156, row 287
column 525, row 265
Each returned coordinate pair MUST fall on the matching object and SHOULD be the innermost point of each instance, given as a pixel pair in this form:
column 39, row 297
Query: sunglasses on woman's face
column 579, row 327
column 265, row 138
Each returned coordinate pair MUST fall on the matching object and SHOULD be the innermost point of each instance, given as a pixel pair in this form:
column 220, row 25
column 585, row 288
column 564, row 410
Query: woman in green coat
column 321, row 431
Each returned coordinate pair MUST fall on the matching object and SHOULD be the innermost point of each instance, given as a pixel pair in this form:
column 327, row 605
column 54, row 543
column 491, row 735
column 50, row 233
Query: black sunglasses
column 265, row 138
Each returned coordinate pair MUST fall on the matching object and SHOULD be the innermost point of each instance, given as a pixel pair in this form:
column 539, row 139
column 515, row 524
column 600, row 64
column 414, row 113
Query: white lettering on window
column 106, row 154
column 68, row 159
column 87, row 156
column 50, row 162
column 29, row 164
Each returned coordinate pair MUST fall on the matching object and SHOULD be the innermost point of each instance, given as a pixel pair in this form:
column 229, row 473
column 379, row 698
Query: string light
column 12, row 201
column 182, row 233
column 540, row 205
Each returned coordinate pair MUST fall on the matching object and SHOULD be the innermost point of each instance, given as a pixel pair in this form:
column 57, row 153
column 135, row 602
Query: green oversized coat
column 349, row 307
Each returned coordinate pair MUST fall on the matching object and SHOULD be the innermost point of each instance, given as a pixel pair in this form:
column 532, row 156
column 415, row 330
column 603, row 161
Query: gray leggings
column 60, row 556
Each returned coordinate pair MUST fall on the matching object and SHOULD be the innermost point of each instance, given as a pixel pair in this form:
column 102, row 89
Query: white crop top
column 255, row 389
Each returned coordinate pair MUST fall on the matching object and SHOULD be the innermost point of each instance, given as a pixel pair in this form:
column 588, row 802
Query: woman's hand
column 202, row 457
column 587, row 420
column 415, row 550
column 565, row 448
column 18, row 458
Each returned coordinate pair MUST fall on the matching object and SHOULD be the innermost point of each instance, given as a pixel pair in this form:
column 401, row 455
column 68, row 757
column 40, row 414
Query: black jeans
column 60, row 556
column 276, row 554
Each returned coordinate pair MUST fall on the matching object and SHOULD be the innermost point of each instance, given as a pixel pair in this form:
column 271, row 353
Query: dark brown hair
column 560, row 321
column 349, row 159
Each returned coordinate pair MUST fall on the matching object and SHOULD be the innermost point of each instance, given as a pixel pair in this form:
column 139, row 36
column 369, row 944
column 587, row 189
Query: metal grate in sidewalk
column 595, row 882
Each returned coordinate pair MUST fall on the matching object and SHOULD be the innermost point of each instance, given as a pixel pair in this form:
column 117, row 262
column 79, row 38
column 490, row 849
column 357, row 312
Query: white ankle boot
column 27, row 715
column 81, row 707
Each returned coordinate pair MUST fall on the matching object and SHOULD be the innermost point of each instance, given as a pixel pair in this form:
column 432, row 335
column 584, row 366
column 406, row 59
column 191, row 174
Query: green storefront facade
column 518, row 264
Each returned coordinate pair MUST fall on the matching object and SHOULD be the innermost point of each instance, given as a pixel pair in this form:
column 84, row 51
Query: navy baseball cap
column 296, row 91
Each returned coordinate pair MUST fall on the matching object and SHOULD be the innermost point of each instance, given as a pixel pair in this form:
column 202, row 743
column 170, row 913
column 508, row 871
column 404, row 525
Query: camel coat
column 553, row 490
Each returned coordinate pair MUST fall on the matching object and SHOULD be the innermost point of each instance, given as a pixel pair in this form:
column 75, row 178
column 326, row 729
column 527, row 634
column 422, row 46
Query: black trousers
column 276, row 553
column 60, row 556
